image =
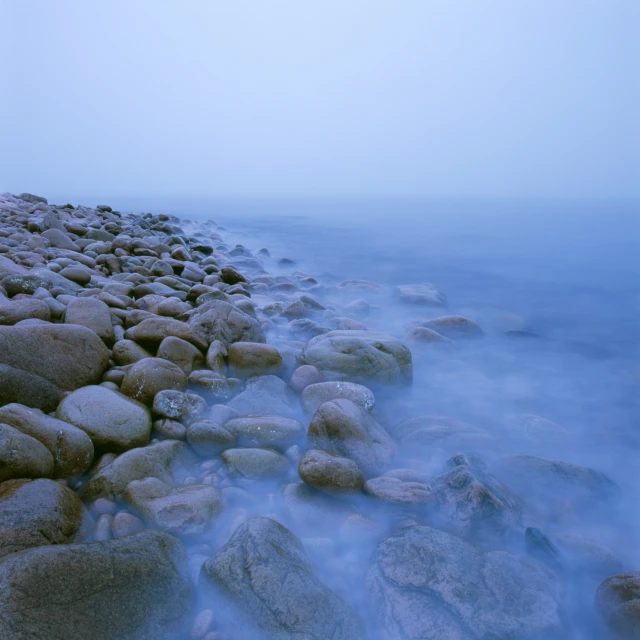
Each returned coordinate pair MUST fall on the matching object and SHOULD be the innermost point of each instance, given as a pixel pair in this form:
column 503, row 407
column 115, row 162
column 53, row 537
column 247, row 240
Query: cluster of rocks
column 156, row 383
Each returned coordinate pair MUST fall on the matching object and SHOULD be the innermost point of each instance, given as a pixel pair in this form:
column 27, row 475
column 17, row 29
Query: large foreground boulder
column 360, row 356
column 34, row 513
column 268, row 578
column 68, row 356
column 22, row 456
column 27, row 388
column 428, row 585
column 134, row 588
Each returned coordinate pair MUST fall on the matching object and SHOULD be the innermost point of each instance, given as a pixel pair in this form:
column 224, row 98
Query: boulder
column 426, row 584
column 28, row 389
column 266, row 395
column 454, row 327
column 267, row 577
column 316, row 394
column 303, row 376
column 152, row 331
column 147, row 377
column 330, row 473
column 422, row 294
column 34, row 513
column 219, row 320
column 618, row 602
column 127, row 352
column 360, row 356
column 265, row 431
column 93, row 314
column 134, row 588
column 182, row 511
column 170, row 461
column 177, row 405
column 22, row 456
column 69, row 356
column 255, row 463
column 344, row 428
column 71, row 448
column 395, row 491
column 14, row 311
column 114, row 422
column 248, row 359
column 182, row 353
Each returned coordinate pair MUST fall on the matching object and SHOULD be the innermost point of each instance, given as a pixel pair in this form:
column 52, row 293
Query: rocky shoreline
column 189, row 445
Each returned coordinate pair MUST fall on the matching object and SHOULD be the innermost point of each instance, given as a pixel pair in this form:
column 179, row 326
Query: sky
column 498, row 98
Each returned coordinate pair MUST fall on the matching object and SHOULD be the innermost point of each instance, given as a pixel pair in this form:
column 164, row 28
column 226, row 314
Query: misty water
column 553, row 285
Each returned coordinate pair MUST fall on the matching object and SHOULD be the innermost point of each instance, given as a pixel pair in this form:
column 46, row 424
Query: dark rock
column 618, row 602
column 147, row 377
column 28, row 389
column 219, row 320
column 22, row 456
column 328, row 472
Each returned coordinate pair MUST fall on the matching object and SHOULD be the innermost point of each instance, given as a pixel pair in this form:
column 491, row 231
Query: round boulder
column 331, row 473
column 149, row 376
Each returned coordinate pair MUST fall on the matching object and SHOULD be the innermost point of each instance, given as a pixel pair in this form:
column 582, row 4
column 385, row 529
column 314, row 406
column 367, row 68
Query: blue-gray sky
column 331, row 97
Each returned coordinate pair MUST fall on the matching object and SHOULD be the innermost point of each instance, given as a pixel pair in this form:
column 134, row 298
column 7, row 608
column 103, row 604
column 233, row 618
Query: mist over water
column 553, row 285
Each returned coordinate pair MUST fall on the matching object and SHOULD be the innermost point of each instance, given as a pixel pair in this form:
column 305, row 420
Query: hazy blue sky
column 197, row 97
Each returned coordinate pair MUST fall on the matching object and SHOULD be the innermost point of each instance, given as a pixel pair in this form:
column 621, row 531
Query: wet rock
column 266, row 395
column 422, row 335
column 344, row 428
column 536, row 430
column 269, row 580
column 454, row 327
column 208, row 438
column 248, row 359
column 152, row 331
column 127, row 352
column 28, row 389
column 133, row 588
column 618, row 602
column 182, row 511
column 219, row 320
column 360, row 356
column 69, row 356
column 178, row 405
column 22, row 456
column 25, row 283
column 114, row 422
column 170, row 429
column 255, row 463
column 449, row 434
column 328, row 472
column 422, row 294
column 317, row 394
column 147, row 377
column 396, row 491
column 34, row 513
column 583, row 554
column 551, row 484
column 125, row 524
column 71, row 448
column 181, row 353
column 216, row 356
column 475, row 505
column 14, row 311
column 230, row 276
column 169, row 461
column 93, row 314
column 428, row 584
column 265, row 431
column 303, row 376
column 76, row 274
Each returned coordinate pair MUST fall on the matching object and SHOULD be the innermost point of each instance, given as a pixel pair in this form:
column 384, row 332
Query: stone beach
column 193, row 446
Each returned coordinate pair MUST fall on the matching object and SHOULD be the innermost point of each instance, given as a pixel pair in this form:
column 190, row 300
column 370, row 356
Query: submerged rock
column 424, row 294
column 269, row 580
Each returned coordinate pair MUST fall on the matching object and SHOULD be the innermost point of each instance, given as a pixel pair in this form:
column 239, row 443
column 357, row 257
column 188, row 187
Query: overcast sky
column 331, row 97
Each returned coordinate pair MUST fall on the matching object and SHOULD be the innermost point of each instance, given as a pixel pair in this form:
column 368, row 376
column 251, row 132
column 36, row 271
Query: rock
column 230, row 276
column 303, row 376
column 181, row 353
column 178, row 405
column 124, row 524
column 583, row 554
column 266, row 395
column 93, row 314
column 22, row 456
column 182, row 511
column 344, row 428
column 266, row 575
column 317, row 394
column 77, row 274
column 427, row 585
column 426, row 432
column 127, row 352
column 360, row 356
column 536, row 430
column 149, row 376
column 551, row 484
column 208, row 438
column 475, row 505
column 69, row 356
column 328, row 472
column 248, row 359
column 265, row 431
column 30, row 197
column 423, row 294
column 219, row 320
column 136, row 588
column 34, row 513
column 396, row 491
column 422, row 335
column 28, row 389
column 618, row 602
column 169, row 429
column 255, row 464
column 152, row 331
column 114, row 422
column 215, row 356
column 169, row 461
column 26, row 283
column 60, row 240
column 71, row 448
column 454, row 327
column 14, row 311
